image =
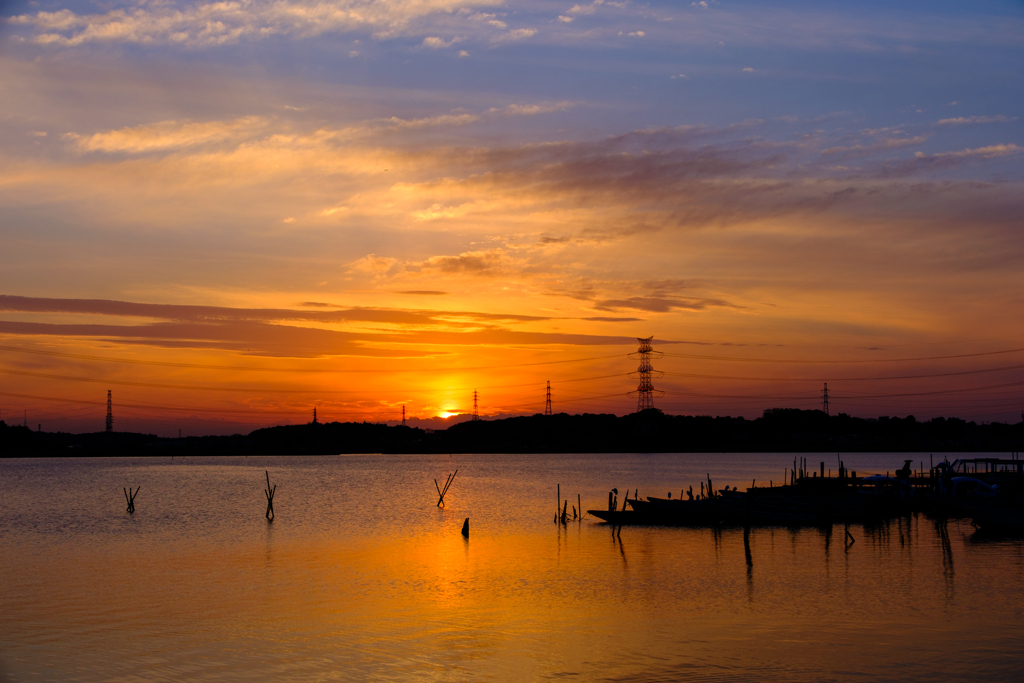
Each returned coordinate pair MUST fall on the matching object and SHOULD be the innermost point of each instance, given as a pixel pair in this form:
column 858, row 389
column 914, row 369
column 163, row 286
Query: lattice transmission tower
column 824, row 399
column 476, row 412
column 403, row 415
column 110, row 412
column 547, row 402
column 645, row 390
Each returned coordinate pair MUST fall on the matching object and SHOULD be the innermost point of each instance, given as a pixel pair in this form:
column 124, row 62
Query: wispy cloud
column 267, row 332
column 531, row 109
column 989, row 152
column 436, row 43
column 660, row 305
column 373, row 264
column 170, row 135
column 874, row 147
column 970, row 120
column 218, row 23
column 490, row 263
column 585, row 9
column 515, row 35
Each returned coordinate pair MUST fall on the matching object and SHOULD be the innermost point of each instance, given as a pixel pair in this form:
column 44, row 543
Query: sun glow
column 446, row 414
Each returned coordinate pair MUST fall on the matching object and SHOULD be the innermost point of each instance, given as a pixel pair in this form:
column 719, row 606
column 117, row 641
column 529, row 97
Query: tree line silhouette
column 777, row 430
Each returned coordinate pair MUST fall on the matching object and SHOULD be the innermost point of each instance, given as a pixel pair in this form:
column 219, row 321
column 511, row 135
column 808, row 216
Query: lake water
column 362, row 577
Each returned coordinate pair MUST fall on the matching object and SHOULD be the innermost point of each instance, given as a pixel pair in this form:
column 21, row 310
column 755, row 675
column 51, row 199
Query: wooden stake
column 269, row 493
column 451, row 478
column 130, row 498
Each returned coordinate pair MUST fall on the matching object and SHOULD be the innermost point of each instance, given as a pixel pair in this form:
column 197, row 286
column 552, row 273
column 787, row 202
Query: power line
column 944, row 391
column 155, row 406
column 872, row 360
column 844, row 379
column 244, row 389
column 249, row 368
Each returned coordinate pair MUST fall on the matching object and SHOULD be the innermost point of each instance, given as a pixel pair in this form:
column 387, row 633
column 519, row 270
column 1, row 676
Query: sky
column 229, row 213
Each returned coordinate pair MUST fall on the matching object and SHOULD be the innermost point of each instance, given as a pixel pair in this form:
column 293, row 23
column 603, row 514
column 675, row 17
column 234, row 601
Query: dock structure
column 984, row 489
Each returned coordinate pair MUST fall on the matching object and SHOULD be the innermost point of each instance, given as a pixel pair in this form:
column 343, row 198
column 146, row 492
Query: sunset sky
column 228, row 213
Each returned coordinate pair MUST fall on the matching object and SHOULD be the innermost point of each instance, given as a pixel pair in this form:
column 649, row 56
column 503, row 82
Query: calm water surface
column 361, row 577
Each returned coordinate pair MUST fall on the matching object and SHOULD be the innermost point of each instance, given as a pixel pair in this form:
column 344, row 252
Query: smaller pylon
column 547, row 402
column 403, row 415
column 476, row 412
column 824, row 399
column 110, row 412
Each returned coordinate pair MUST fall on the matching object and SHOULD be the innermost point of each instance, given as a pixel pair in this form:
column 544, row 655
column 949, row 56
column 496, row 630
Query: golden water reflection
column 912, row 599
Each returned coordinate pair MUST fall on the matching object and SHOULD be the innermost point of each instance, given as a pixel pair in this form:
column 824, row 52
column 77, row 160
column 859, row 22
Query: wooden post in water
column 130, row 498
column 270, row 498
column 441, row 492
column 579, row 502
column 465, row 528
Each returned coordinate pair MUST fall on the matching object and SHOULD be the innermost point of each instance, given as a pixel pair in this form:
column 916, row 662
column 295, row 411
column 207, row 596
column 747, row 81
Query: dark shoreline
column 779, row 430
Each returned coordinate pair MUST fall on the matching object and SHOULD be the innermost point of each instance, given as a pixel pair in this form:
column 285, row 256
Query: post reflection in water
column 941, row 526
column 388, row 589
column 750, row 563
